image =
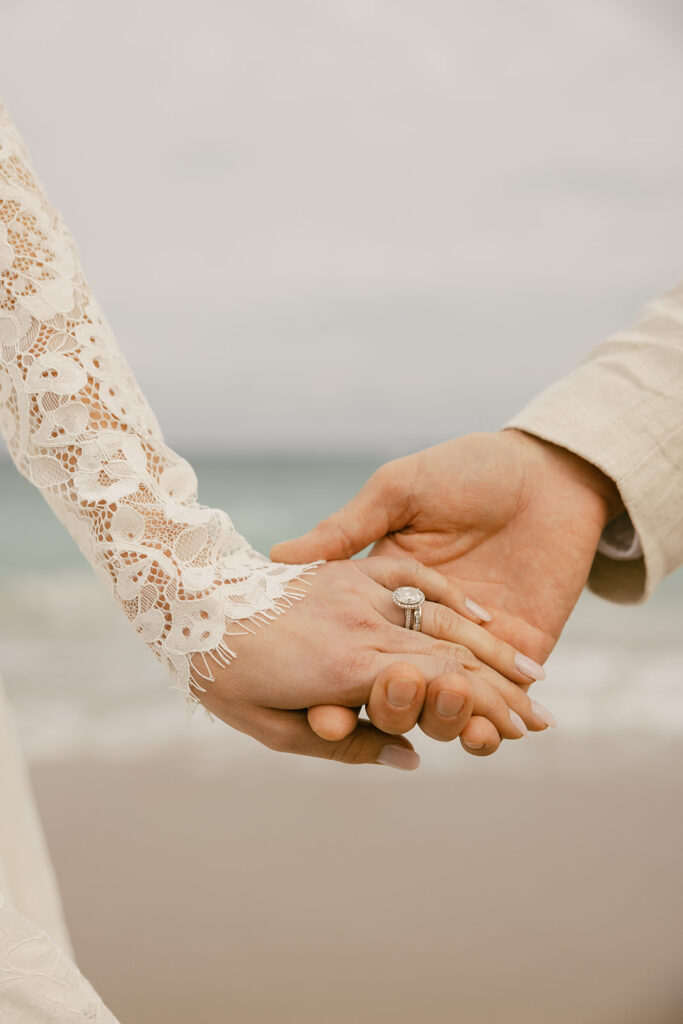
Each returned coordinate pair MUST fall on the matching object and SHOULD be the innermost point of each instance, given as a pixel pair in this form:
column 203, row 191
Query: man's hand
column 513, row 520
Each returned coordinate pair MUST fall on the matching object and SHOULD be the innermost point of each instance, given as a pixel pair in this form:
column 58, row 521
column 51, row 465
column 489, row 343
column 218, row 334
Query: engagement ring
column 411, row 600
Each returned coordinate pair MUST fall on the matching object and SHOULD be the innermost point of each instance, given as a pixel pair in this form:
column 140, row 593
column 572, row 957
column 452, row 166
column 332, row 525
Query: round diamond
column 408, row 597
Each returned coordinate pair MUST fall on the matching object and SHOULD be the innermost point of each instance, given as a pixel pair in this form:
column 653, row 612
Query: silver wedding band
column 410, row 599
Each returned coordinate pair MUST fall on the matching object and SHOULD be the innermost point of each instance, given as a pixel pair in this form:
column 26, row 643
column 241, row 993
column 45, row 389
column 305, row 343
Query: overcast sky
column 347, row 224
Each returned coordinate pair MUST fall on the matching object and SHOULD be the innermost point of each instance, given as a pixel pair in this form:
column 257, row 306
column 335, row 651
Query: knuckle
column 414, row 568
column 453, row 657
column 387, row 478
column 469, row 661
column 383, row 476
column 446, row 624
column 358, row 620
column 444, row 651
column 498, row 648
column 445, row 663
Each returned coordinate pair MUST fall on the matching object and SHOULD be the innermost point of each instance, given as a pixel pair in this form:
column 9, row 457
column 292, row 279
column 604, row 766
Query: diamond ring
column 411, row 600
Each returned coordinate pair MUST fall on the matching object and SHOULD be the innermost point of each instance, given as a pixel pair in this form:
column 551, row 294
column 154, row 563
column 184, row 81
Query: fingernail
column 529, row 667
column 449, row 704
column 518, row 723
column 401, row 693
column 542, row 712
column 404, row 758
column 477, row 609
column 474, row 746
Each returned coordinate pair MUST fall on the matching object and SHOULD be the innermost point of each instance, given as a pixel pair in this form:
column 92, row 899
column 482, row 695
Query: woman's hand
column 345, row 635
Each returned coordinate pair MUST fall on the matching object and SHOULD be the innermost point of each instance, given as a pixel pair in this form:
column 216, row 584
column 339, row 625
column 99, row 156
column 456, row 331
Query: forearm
column 78, row 427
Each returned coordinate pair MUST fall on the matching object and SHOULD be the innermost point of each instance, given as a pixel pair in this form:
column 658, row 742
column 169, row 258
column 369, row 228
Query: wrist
column 588, row 484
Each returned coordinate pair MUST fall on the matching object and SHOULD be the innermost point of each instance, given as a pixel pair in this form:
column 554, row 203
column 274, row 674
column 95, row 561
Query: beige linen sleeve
column 622, row 411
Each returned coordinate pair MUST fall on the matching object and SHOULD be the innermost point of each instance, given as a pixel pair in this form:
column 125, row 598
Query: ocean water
column 82, row 683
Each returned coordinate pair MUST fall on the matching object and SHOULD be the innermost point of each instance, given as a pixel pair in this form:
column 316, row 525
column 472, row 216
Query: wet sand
column 270, row 890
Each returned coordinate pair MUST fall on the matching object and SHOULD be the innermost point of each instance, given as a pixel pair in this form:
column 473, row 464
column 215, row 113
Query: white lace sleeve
column 78, row 427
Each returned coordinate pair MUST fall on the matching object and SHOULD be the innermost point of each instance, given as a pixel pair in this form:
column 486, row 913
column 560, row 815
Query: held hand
column 346, row 635
column 514, row 521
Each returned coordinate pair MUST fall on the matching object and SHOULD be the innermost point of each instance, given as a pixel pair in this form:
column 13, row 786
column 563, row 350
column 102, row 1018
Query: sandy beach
column 312, row 893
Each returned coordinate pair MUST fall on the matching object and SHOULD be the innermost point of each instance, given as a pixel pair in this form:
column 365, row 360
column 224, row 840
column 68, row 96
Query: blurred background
column 299, row 217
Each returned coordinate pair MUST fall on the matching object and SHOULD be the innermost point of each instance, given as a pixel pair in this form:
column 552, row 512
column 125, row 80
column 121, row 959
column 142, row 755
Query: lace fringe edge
column 222, row 655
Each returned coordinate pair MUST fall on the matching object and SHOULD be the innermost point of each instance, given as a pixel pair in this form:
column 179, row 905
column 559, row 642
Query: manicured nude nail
column 401, row 693
column 403, row 758
column 449, row 704
column 518, row 723
column 529, row 667
column 477, row 610
column 544, row 713
column 474, row 746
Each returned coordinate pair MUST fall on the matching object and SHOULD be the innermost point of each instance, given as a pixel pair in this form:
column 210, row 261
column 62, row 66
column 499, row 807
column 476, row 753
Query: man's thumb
column 365, row 519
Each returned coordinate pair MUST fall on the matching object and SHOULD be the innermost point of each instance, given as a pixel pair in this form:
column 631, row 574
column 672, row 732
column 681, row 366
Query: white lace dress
column 78, row 427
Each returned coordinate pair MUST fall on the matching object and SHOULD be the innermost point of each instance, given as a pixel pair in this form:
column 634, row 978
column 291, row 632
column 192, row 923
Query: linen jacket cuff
column 622, row 411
